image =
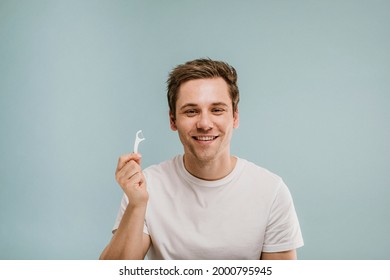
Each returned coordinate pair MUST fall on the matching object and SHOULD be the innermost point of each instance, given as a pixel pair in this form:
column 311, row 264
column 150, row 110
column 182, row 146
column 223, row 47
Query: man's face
column 205, row 119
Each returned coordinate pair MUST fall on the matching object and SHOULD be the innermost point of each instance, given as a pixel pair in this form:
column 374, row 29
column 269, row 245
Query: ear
column 172, row 121
column 236, row 119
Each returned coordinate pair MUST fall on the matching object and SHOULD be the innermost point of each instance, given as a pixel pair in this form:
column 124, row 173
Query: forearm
column 128, row 241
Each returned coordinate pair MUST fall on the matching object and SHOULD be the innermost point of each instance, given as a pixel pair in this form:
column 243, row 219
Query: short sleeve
column 283, row 232
column 122, row 209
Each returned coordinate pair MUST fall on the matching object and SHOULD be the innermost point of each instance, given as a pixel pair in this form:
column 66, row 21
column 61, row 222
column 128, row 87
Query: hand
column 131, row 179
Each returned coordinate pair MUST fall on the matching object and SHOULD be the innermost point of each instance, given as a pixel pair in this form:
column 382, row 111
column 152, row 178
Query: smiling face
column 205, row 120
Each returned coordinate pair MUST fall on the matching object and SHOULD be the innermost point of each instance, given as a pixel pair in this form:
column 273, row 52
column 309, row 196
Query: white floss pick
column 139, row 137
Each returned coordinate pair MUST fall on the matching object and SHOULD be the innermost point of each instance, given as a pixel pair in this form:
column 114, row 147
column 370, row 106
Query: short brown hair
column 203, row 68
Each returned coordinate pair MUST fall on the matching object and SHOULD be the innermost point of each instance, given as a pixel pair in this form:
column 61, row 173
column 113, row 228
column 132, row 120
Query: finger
column 127, row 172
column 137, row 157
column 124, row 159
column 134, row 181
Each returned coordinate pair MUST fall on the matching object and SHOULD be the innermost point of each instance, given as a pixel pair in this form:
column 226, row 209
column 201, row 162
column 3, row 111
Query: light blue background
column 79, row 78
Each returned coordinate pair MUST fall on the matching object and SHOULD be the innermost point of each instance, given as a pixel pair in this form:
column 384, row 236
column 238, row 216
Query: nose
column 204, row 122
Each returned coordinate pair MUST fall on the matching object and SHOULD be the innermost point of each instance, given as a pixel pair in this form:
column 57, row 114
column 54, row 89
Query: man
column 205, row 204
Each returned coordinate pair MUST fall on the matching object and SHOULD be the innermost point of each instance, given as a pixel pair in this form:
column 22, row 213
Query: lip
column 204, row 138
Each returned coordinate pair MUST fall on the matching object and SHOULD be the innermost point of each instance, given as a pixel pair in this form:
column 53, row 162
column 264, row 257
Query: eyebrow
column 195, row 105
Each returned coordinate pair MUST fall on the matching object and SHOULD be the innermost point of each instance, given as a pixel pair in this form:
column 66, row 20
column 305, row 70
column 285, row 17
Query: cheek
column 186, row 124
column 225, row 124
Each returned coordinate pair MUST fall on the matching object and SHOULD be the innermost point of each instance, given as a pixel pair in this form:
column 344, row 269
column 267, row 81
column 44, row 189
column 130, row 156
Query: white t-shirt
column 248, row 212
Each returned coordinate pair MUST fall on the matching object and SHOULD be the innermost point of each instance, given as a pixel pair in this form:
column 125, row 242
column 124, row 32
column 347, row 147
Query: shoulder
column 270, row 183
column 258, row 173
column 261, row 182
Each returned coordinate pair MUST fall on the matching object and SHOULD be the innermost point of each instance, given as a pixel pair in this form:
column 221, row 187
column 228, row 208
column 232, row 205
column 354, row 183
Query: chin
column 206, row 157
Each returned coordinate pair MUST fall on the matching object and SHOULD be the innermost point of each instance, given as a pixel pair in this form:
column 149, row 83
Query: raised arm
column 129, row 240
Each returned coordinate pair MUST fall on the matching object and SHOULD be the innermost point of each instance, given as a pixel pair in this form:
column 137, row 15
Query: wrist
column 137, row 206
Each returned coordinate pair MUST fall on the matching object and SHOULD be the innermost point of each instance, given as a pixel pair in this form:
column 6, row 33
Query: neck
column 210, row 170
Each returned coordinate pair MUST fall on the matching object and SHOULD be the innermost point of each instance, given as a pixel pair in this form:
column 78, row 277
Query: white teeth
column 205, row 138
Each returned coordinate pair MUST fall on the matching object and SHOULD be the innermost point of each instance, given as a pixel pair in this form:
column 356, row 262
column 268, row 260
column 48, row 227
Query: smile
column 205, row 138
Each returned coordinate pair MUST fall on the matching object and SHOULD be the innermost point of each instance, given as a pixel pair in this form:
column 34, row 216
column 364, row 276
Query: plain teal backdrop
column 79, row 78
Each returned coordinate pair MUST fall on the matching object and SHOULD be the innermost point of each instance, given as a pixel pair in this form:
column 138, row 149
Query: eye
column 190, row 112
column 218, row 111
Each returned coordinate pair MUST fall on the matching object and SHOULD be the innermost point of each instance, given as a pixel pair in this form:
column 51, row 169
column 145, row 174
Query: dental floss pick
column 139, row 137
